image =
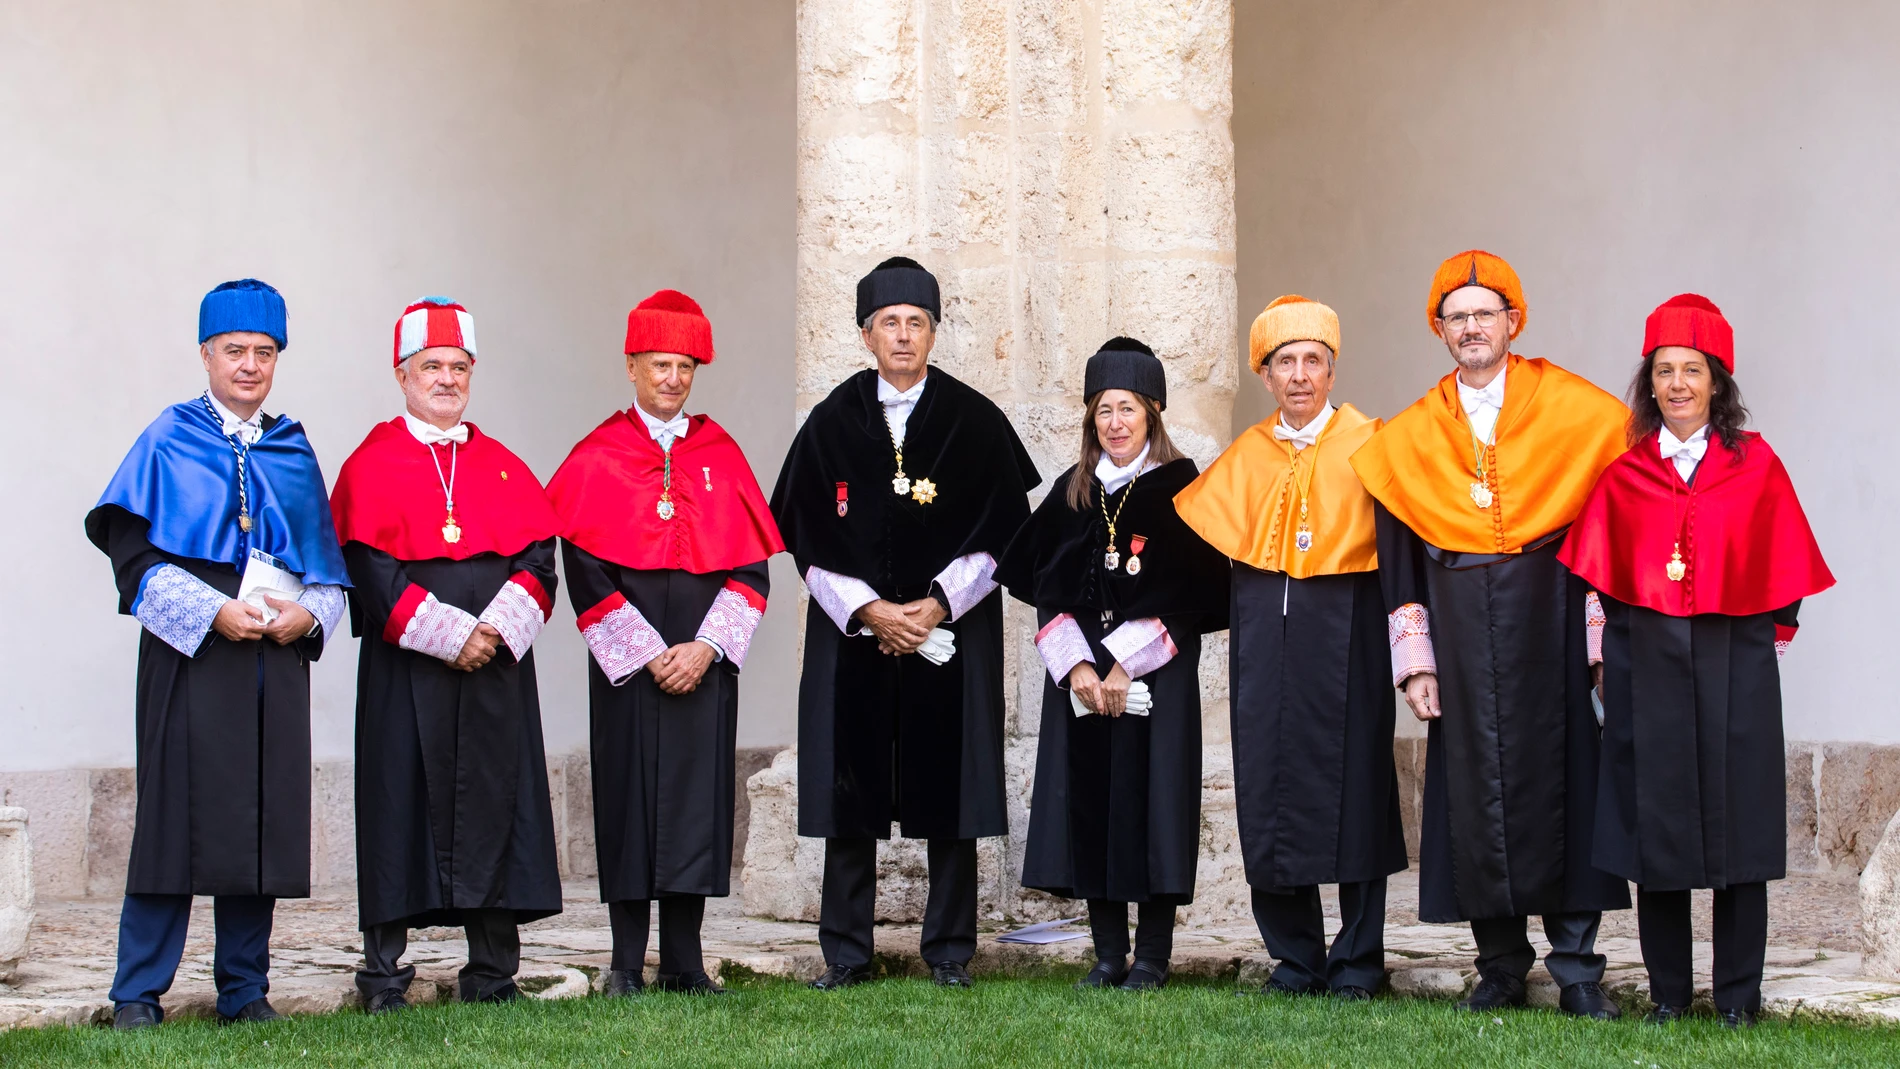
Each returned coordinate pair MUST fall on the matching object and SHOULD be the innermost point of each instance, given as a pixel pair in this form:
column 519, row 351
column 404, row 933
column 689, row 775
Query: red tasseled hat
column 1692, row 321
column 670, row 322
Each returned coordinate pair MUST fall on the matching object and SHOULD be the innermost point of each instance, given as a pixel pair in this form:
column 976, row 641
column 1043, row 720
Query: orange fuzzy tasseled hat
column 1289, row 319
column 1475, row 267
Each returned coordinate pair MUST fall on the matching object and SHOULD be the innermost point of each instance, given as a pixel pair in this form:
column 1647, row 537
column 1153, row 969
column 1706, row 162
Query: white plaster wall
column 548, row 163
column 1617, row 153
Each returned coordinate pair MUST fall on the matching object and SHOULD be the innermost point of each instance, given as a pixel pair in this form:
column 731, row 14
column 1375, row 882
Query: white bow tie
column 1695, row 448
column 430, row 434
column 1492, row 395
column 907, row 397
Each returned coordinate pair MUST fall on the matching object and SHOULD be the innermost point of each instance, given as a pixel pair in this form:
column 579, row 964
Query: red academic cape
column 1743, row 536
column 608, row 489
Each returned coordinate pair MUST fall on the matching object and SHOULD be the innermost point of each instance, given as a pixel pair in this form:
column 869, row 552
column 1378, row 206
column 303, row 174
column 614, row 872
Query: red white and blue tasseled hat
column 434, row 321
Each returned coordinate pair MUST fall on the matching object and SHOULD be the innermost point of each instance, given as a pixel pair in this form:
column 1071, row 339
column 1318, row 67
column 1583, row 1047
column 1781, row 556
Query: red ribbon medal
column 844, row 503
column 1135, row 545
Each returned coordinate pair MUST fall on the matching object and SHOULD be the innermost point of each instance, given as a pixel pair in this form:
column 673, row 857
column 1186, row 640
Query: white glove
column 1139, row 701
column 1596, row 704
column 939, row 647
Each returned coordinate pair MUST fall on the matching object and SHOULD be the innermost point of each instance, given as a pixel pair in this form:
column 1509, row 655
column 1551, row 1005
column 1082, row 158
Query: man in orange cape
column 1476, row 484
column 1311, row 705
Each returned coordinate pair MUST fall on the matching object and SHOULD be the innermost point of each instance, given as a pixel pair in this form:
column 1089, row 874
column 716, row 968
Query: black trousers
column 680, row 918
column 1741, row 943
column 1293, row 925
column 494, row 956
column 1154, row 931
column 847, row 911
column 1504, row 947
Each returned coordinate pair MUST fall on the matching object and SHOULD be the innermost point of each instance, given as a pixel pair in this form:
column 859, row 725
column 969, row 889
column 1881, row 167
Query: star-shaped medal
column 923, row 492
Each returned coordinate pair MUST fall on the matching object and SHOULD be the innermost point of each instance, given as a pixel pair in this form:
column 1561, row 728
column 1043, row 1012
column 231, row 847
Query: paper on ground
column 1045, row 932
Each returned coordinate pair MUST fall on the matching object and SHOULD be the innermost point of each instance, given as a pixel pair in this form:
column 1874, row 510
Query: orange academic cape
column 1247, row 503
column 1557, row 433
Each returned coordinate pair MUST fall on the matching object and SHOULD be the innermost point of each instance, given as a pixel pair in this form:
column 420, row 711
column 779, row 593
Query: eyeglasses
column 1484, row 319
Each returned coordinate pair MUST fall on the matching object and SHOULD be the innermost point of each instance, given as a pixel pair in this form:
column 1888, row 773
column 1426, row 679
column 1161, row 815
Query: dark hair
column 1727, row 413
column 1161, row 449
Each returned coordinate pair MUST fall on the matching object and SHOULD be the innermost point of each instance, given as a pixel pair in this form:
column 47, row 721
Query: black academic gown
column 663, row 764
column 223, row 746
column 1116, row 812
column 452, row 807
column 1311, row 710
column 1511, row 766
column 883, row 738
column 1694, row 780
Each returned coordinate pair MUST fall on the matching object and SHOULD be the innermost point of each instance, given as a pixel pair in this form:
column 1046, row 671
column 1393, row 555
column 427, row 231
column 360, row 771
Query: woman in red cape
column 1699, row 555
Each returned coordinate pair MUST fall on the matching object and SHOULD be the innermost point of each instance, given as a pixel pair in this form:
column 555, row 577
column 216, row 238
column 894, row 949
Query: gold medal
column 1111, row 560
column 1675, row 569
column 665, row 507
column 244, row 522
column 1481, row 495
column 451, row 533
column 900, row 485
column 924, row 492
column 1303, row 539
column 1135, row 545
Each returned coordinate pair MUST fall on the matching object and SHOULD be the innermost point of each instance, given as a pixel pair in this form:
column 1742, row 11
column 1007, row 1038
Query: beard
column 1479, row 359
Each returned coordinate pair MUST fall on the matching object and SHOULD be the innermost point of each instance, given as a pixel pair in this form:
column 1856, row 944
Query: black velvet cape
column 883, row 739
column 1511, row 765
column 223, row 745
column 1312, row 715
column 1694, row 788
column 1116, row 812
column 452, row 806
column 663, row 764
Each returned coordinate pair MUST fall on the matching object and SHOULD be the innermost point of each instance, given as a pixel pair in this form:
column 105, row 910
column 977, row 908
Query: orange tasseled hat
column 1289, row 319
column 1475, row 267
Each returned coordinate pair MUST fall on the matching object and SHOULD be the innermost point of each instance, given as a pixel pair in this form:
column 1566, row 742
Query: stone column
column 1067, row 171
column 16, row 890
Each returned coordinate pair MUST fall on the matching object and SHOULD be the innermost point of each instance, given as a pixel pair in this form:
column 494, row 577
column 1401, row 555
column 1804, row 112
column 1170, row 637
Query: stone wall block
column 979, row 58
column 333, row 824
column 115, row 805
column 1803, row 855
column 1051, row 61
column 1221, row 894
column 976, row 338
column 1023, row 682
column 61, row 806
column 577, row 814
column 1880, row 906
column 1183, row 309
column 1168, row 53
column 1171, row 190
column 859, row 55
column 1860, row 790
column 857, row 193
column 1065, row 317
column 782, row 871
column 1216, row 723
column 1048, row 432
column 16, row 889
column 982, row 176
column 1408, row 757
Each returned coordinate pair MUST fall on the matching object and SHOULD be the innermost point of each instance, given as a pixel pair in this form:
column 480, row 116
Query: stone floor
column 1812, row 965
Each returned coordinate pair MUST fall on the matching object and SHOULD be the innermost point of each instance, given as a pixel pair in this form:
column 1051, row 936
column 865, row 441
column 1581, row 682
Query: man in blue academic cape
column 219, row 531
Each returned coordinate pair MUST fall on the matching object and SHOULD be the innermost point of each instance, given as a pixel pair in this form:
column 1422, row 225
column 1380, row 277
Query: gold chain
column 1112, row 520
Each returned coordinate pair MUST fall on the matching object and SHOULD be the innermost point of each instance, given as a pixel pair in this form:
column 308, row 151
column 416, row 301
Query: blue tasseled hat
column 246, row 304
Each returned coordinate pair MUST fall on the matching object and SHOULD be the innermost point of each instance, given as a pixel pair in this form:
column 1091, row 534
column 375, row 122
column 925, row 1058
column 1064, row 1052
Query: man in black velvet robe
column 898, row 496
column 450, row 544
column 222, row 548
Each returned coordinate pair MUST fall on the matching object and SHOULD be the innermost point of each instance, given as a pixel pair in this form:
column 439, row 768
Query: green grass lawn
column 1032, row 1022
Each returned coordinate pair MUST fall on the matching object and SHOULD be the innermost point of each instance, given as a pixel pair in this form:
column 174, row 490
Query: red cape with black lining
column 1743, row 535
column 608, row 489
column 389, row 497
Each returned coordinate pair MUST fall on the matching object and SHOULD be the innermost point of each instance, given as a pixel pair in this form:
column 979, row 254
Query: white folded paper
column 1039, row 934
column 939, row 647
column 265, row 574
column 1139, row 701
column 1596, row 704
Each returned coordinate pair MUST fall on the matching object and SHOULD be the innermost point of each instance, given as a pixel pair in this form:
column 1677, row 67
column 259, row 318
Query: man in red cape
column 665, row 538
column 449, row 542
column 1699, row 556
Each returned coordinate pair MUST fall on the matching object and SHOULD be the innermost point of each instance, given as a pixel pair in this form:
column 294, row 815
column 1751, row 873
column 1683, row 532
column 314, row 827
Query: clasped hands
column 901, row 629
column 1107, row 696
column 240, row 621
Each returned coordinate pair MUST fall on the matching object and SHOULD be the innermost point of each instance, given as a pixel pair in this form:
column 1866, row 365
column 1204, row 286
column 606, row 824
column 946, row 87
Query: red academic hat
column 1692, row 321
column 434, row 321
column 670, row 322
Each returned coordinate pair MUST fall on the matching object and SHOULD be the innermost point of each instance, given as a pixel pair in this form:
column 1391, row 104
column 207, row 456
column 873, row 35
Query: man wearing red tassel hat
column 1475, row 485
column 450, row 546
column 665, row 541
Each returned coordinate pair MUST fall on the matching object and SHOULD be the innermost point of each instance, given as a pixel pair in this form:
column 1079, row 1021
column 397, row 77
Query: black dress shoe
column 1736, row 1020
column 1666, row 1014
column 507, row 992
column 688, row 983
column 841, row 976
column 950, row 974
column 1495, row 991
column 137, row 1015
column 1349, row 993
column 624, row 983
column 1588, row 999
column 254, row 1011
column 1105, row 974
column 1146, row 976
column 1277, row 986
column 388, row 1000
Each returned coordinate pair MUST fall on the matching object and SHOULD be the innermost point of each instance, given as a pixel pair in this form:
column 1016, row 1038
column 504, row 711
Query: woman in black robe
column 1123, row 591
column 1699, row 554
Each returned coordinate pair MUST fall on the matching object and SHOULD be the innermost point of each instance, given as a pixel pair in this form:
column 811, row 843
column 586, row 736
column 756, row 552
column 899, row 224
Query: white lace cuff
column 966, row 581
column 730, row 622
column 620, row 638
column 1593, row 621
column 1409, row 631
column 324, row 601
column 515, row 613
column 1140, row 646
column 437, row 629
column 1062, row 647
column 839, row 596
column 177, row 607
